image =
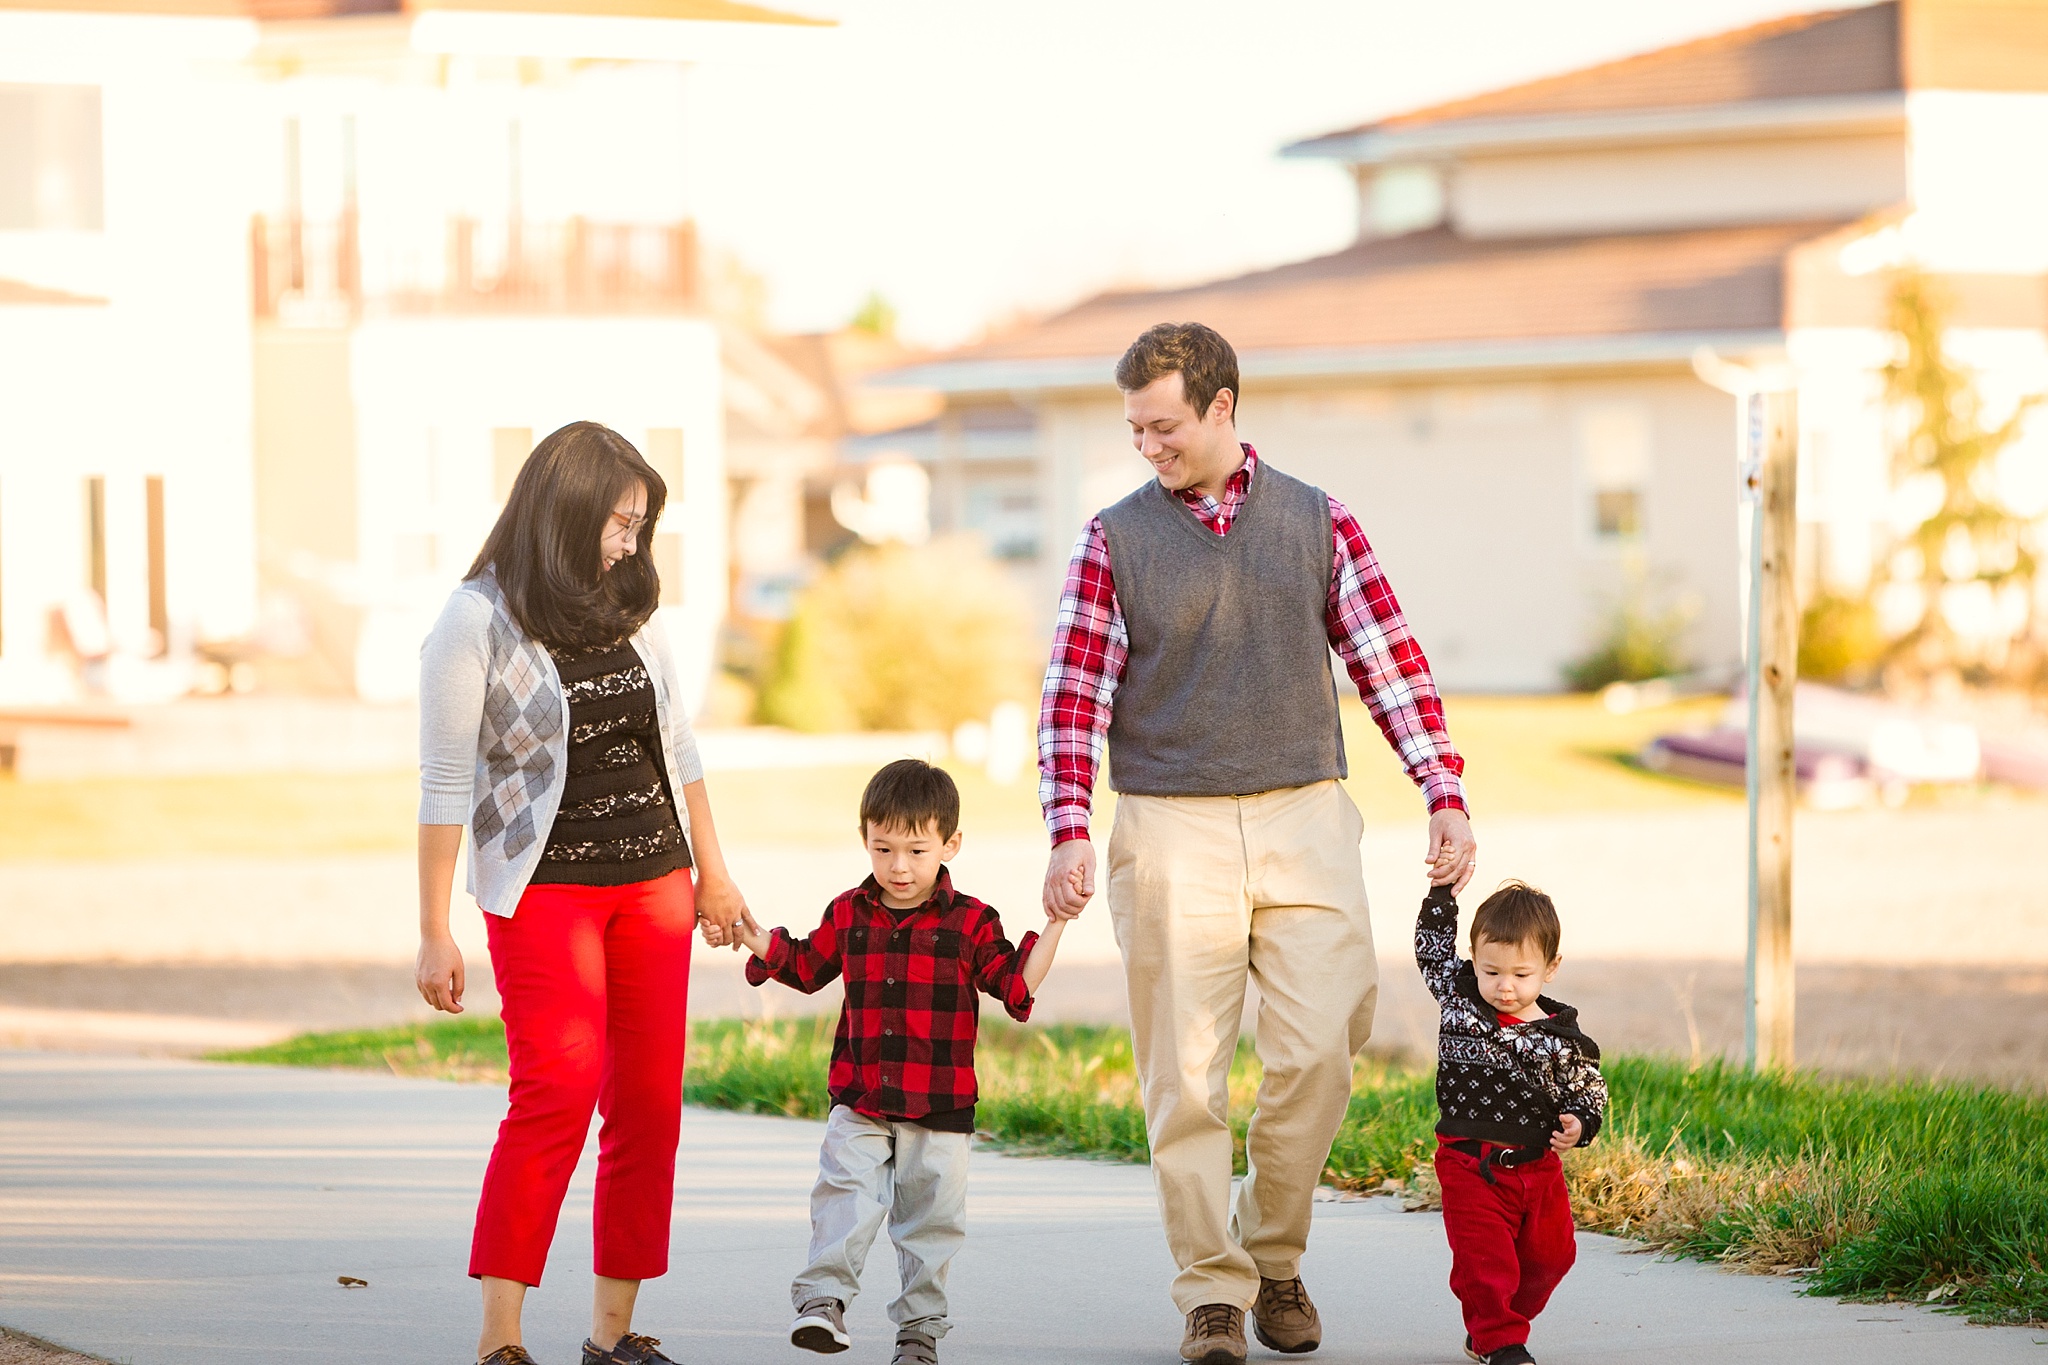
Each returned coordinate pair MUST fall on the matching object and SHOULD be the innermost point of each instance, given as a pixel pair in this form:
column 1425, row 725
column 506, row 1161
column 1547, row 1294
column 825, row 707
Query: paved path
column 170, row 1213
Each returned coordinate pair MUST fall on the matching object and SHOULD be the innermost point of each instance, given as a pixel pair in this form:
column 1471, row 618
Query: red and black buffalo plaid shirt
column 905, row 1046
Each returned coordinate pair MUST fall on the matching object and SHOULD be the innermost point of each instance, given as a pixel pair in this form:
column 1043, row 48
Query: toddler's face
column 1511, row 975
column 906, row 862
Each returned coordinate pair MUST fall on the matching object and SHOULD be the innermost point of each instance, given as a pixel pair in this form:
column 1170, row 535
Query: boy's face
column 1511, row 975
column 906, row 862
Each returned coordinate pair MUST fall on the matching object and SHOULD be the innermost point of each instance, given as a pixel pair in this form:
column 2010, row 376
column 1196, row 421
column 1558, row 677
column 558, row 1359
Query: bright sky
column 977, row 159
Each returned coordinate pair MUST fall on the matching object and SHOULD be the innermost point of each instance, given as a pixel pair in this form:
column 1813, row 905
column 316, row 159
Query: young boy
column 914, row 953
column 1516, row 1084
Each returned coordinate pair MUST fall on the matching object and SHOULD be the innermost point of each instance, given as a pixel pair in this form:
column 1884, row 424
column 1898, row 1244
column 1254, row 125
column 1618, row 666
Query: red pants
column 1511, row 1243
column 594, row 982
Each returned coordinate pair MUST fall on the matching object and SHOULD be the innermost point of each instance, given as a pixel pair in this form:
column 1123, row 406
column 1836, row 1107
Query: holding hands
column 719, row 907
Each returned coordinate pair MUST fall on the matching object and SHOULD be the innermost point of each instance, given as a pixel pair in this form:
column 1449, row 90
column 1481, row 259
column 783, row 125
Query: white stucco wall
column 1474, row 498
column 428, row 393
column 1642, row 188
column 156, row 381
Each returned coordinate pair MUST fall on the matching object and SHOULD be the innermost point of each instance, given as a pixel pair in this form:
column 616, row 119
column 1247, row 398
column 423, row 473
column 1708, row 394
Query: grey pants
column 872, row 1168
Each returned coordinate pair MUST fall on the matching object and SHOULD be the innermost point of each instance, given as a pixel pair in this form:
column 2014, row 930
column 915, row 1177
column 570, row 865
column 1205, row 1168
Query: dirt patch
column 19, row 1349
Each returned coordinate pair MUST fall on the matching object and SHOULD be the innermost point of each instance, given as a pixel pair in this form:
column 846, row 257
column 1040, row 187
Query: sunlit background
column 289, row 288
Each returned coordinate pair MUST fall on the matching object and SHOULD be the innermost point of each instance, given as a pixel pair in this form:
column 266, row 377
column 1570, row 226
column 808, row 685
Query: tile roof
column 728, row 11
column 1808, row 56
column 20, row 293
column 1436, row 287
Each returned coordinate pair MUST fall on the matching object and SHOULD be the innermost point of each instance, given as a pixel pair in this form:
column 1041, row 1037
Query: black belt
column 1505, row 1157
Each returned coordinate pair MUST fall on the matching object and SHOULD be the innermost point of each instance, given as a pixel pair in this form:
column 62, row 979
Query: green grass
column 1524, row 754
column 1879, row 1190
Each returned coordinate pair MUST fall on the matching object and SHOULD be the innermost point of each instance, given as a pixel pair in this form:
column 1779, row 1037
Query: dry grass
column 1525, row 755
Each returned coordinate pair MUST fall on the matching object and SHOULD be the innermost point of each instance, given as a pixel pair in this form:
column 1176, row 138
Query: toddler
column 1517, row 1083
column 914, row 953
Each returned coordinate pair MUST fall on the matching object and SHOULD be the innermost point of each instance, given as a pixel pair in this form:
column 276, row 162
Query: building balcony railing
column 333, row 270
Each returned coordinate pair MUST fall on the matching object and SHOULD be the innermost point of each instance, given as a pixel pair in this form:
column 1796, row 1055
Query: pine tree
column 1972, row 537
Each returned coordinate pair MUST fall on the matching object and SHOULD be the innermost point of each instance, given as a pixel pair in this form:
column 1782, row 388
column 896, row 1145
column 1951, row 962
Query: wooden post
column 1774, row 667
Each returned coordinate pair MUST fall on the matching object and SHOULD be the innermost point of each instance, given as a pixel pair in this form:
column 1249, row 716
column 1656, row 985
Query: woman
column 551, row 726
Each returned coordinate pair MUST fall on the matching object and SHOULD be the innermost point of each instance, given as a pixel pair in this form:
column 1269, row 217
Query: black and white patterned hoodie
column 1509, row 1084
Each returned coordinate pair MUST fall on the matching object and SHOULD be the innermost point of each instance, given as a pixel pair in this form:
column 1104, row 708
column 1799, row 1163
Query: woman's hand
column 438, row 973
column 719, row 907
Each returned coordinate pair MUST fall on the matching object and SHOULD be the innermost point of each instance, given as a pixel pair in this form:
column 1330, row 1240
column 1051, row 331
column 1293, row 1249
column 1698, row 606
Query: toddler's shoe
column 915, row 1348
column 820, row 1326
column 632, row 1349
column 1506, row 1355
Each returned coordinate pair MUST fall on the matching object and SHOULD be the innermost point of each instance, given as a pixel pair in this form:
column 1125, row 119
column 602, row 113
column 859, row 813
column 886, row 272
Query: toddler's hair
column 908, row 795
column 1518, row 913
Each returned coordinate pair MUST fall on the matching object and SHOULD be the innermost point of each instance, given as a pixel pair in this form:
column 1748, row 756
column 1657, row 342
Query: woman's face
column 622, row 529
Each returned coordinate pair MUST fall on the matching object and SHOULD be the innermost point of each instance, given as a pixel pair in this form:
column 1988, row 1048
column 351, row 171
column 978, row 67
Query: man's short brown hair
column 1201, row 357
column 908, row 795
column 1518, row 913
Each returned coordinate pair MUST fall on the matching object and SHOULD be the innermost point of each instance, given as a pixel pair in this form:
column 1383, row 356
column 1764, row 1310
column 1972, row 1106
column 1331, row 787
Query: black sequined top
column 617, row 823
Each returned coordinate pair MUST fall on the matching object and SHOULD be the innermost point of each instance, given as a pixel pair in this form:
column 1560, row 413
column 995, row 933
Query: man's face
column 1185, row 448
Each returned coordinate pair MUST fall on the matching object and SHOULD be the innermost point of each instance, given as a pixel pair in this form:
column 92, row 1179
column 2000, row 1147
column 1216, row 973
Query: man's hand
column 1069, row 879
column 1568, row 1134
column 438, row 974
column 719, row 906
column 1453, row 853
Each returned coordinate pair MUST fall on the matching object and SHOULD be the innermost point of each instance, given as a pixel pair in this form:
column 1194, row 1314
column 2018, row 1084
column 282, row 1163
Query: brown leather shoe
column 1284, row 1318
column 1215, row 1335
column 507, row 1355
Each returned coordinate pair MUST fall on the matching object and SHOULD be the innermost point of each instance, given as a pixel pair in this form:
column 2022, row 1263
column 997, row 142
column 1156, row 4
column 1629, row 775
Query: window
column 50, row 177
column 665, row 452
column 159, row 598
column 96, row 535
column 509, row 448
column 1614, row 470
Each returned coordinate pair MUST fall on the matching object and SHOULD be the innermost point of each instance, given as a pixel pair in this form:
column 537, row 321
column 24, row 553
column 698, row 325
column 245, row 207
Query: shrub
column 1840, row 640
column 1642, row 640
column 902, row 637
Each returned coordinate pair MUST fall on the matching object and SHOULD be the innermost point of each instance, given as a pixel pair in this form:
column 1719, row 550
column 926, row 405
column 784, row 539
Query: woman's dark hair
column 544, row 549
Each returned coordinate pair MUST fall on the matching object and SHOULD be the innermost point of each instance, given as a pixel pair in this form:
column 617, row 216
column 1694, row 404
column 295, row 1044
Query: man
column 1195, row 632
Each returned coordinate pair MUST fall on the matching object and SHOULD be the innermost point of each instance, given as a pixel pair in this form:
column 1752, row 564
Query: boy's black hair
column 908, row 795
column 1518, row 913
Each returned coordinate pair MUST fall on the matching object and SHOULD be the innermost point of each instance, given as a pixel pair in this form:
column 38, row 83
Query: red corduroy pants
column 1511, row 1243
column 594, row 982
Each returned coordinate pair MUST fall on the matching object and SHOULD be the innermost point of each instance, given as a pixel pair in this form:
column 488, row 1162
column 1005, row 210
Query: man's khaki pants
column 1205, row 891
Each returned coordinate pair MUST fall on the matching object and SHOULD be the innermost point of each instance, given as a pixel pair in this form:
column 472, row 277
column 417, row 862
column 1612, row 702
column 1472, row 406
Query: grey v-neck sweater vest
column 1228, row 689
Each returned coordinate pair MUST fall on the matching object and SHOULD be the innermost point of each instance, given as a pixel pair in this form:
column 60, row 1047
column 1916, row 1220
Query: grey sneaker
column 915, row 1348
column 820, row 1326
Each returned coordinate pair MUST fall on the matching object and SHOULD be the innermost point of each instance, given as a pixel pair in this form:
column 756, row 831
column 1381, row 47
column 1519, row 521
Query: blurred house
column 289, row 288
column 811, row 443
column 1498, row 375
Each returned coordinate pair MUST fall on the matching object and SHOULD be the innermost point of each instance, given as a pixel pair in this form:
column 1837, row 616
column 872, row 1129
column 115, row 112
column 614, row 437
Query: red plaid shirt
column 905, row 1045
column 1366, row 628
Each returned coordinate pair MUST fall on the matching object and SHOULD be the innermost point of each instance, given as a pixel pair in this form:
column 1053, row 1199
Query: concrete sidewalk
column 168, row 1213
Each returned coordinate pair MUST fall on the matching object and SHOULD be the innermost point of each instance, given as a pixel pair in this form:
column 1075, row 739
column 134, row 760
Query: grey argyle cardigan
column 494, row 736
